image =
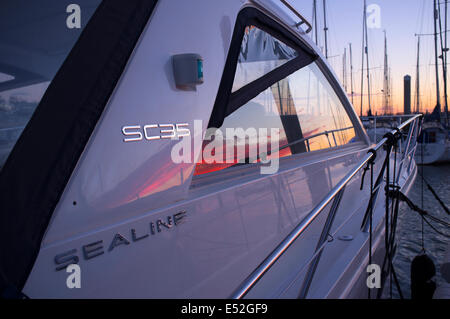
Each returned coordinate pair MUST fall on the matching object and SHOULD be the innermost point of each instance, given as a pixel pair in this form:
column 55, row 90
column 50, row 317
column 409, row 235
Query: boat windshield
column 37, row 37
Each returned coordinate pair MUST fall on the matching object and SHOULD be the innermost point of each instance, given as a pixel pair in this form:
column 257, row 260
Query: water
column 409, row 234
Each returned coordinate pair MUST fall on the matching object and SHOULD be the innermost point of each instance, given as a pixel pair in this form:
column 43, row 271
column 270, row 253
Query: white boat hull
column 433, row 153
column 139, row 224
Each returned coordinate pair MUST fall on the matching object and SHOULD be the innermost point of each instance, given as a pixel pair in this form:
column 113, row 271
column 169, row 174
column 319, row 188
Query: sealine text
column 98, row 248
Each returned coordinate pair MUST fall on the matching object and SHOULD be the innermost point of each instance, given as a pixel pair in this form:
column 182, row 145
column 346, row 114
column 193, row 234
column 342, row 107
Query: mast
column 386, row 78
column 344, row 70
column 351, row 72
column 315, row 21
column 445, row 63
column 367, row 58
column 325, row 28
column 362, row 60
column 391, row 105
column 444, row 60
column 438, row 99
column 418, row 76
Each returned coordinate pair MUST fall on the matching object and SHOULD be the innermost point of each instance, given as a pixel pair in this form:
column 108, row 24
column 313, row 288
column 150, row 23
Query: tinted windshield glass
column 260, row 53
column 36, row 38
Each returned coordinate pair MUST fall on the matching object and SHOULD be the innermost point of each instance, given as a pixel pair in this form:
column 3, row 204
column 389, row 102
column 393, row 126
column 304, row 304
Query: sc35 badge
column 151, row 132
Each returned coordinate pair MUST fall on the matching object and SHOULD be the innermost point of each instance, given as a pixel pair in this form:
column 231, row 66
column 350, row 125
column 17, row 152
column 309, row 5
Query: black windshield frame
column 41, row 163
column 227, row 101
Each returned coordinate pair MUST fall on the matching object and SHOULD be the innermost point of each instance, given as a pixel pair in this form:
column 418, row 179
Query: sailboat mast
column 362, row 59
column 351, row 72
column 445, row 64
column 391, row 106
column 444, row 60
column 438, row 99
column 325, row 28
column 344, row 70
column 386, row 78
column 367, row 58
column 315, row 21
column 418, row 76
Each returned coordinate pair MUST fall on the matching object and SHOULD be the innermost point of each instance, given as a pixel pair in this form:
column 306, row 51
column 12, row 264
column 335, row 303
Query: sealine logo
column 97, row 248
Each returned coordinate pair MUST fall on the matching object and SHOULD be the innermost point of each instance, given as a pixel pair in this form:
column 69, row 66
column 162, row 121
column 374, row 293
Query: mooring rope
column 435, row 194
column 423, row 213
column 390, row 215
column 422, row 197
column 370, row 166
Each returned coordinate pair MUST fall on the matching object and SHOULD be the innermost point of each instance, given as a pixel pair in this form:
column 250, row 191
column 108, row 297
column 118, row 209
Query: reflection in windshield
column 319, row 109
column 303, row 107
column 260, row 53
column 16, row 108
column 32, row 50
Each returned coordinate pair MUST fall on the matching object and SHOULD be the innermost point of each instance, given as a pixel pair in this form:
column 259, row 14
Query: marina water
column 409, row 232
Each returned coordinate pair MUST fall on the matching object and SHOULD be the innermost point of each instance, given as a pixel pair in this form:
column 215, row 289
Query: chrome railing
column 334, row 195
column 377, row 119
column 324, row 133
column 302, row 19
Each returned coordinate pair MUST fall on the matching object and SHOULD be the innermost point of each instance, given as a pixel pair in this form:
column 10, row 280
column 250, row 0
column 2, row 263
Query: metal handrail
column 303, row 19
column 306, row 139
column 406, row 152
column 401, row 116
column 270, row 260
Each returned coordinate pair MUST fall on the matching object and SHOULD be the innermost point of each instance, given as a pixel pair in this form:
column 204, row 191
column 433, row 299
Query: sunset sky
column 401, row 19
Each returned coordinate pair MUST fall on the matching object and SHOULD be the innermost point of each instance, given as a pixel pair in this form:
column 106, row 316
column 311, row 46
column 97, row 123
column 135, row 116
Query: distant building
column 407, row 94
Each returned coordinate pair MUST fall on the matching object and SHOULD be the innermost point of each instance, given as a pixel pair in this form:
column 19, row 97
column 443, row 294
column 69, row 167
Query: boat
column 434, row 144
column 101, row 197
column 434, row 140
column 378, row 126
